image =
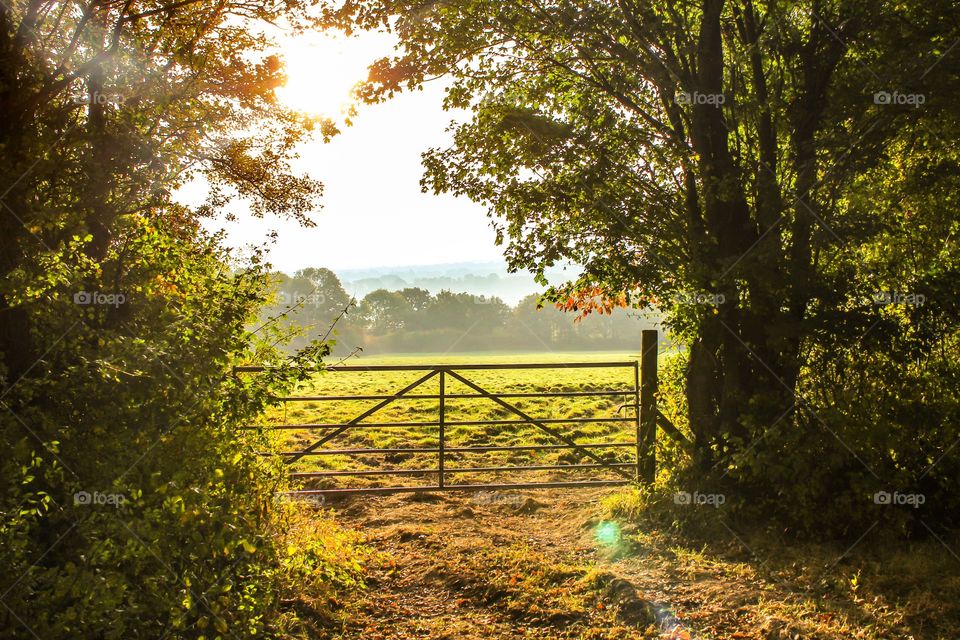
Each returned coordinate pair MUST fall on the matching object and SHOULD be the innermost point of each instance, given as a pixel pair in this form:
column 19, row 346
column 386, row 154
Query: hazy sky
column 373, row 213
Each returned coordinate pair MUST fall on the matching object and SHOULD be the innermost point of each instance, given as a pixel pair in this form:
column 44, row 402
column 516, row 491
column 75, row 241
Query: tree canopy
column 121, row 318
column 721, row 160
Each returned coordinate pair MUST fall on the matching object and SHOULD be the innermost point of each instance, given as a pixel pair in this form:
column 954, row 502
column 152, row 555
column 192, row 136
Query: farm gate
column 445, row 460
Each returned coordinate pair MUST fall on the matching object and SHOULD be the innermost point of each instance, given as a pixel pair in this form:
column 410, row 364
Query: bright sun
column 322, row 71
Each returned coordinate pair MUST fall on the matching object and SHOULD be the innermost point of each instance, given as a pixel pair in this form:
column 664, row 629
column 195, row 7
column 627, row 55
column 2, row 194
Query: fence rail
column 641, row 396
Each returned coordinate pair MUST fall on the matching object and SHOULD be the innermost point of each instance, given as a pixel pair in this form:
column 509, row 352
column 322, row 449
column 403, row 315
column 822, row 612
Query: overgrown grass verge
column 324, row 569
column 872, row 587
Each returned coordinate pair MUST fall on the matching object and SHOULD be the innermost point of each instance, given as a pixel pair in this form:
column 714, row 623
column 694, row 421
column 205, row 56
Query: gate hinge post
column 647, row 408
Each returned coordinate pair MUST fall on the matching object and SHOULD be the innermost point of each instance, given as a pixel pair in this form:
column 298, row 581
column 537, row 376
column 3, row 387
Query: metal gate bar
column 415, row 450
column 460, row 487
column 460, row 367
column 414, row 472
column 458, row 396
column 437, row 423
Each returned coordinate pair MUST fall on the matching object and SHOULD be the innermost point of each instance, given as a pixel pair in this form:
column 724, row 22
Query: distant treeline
column 412, row 319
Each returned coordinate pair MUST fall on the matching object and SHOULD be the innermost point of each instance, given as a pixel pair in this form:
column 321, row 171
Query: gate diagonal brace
column 366, row 414
column 534, row 421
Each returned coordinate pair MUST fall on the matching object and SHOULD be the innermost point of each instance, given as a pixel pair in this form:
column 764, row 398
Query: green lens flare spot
column 607, row 533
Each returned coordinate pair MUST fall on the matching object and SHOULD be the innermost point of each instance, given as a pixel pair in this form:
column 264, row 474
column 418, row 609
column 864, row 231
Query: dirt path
column 530, row 564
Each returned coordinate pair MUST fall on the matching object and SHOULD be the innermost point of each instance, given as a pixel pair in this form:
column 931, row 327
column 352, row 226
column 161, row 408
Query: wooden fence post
column 647, row 467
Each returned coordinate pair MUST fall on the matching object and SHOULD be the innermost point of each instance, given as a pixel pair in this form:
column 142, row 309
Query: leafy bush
column 133, row 503
column 867, row 425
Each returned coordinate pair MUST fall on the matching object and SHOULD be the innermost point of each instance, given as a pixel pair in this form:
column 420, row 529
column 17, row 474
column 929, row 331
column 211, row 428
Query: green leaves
column 122, row 318
column 785, row 158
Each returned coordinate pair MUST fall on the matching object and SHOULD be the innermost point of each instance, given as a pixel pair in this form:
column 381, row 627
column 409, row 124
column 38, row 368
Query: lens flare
column 607, row 533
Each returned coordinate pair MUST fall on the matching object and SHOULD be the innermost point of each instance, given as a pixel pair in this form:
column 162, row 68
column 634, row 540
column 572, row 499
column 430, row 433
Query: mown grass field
column 614, row 417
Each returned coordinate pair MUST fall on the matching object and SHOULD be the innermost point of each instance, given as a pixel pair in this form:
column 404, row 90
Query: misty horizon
column 481, row 278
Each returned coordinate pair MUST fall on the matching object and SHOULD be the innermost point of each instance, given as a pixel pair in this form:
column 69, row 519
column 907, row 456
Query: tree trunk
column 735, row 377
column 17, row 352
